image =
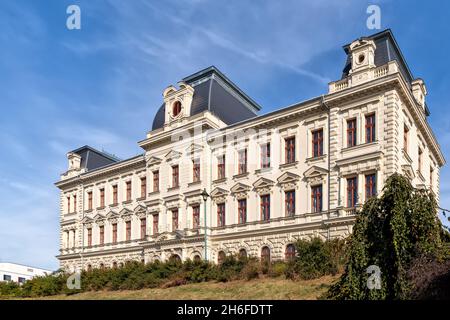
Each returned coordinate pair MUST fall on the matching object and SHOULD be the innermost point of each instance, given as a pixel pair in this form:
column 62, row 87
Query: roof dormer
column 177, row 102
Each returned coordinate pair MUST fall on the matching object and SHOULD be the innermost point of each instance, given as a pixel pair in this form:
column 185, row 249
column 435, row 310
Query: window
column 405, row 138
column 128, row 186
column 74, row 203
column 155, row 181
column 242, row 161
column 352, row 192
column 221, row 256
column 242, row 210
column 289, row 149
column 371, row 185
column 143, row 228
column 21, row 280
column 431, row 178
column 6, row 277
column 317, row 143
column 128, row 230
column 351, row 132
column 289, row 253
column 196, row 170
column 221, row 214
column 114, row 233
column 370, row 128
column 265, row 207
column 89, row 235
column 68, row 204
column 265, row 255
column 265, row 155
column 221, row 167
column 175, row 177
column 115, row 195
column 196, row 216
column 290, row 203
column 174, row 219
column 155, row 223
column 242, row 254
column 102, row 197
column 176, row 108
column 143, row 187
column 420, row 160
column 316, row 198
column 102, row 235
column 90, row 200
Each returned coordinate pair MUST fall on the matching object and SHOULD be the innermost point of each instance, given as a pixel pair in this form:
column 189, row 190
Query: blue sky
column 101, row 85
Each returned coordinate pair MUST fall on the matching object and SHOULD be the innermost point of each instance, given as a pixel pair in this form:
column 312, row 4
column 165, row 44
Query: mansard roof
column 92, row 159
column 214, row 92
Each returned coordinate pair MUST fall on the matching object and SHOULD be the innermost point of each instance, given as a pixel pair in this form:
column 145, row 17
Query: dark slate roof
column 213, row 91
column 92, row 159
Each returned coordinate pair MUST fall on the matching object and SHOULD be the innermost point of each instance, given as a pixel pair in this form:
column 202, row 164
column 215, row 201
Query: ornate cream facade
column 298, row 172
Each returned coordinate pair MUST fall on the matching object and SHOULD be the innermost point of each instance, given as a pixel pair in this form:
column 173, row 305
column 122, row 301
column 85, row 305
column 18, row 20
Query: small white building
column 19, row 273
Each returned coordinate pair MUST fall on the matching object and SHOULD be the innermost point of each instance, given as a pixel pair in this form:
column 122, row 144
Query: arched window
column 290, row 252
column 176, row 108
column 114, row 265
column 243, row 254
column 89, row 267
column 265, row 254
column 143, row 261
column 175, row 259
column 221, row 257
column 197, row 258
column 121, row 264
column 102, row 266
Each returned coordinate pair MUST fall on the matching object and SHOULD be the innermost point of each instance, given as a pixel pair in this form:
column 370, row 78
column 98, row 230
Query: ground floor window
column 265, row 254
column 290, row 252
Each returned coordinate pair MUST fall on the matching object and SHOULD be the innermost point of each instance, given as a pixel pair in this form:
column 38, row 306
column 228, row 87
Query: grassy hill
column 266, row 288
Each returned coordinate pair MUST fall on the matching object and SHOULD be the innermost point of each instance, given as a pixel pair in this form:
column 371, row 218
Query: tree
column 390, row 231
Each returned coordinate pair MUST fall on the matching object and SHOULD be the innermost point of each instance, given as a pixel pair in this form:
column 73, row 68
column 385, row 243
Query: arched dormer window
column 176, row 108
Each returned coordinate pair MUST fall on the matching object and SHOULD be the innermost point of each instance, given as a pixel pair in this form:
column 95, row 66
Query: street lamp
column 205, row 196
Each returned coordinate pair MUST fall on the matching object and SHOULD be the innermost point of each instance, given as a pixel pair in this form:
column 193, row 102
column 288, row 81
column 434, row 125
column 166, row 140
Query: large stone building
column 258, row 182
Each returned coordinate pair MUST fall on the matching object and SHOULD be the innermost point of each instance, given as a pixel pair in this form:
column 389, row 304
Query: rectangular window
column 420, row 160
column 290, row 203
column 143, row 187
column 405, row 138
column 114, row 232
column 242, row 155
column 289, row 147
column 155, row 181
column 174, row 220
column 21, row 280
column 317, row 143
column 89, row 235
column 371, row 185
column 175, row 176
column 196, row 216
column 6, row 277
column 265, row 155
column 351, row 132
column 102, row 235
column 431, row 178
column 74, row 203
column 221, row 214
column 155, row 223
column 242, row 210
column 316, row 198
column 90, row 200
column 128, row 186
column 265, row 207
column 102, row 197
column 196, row 170
column 68, row 204
column 128, row 230
column 115, row 194
column 370, row 128
column 352, row 192
column 143, row 228
column 221, row 167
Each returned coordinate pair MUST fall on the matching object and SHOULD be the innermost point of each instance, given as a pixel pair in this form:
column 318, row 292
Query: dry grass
column 258, row 289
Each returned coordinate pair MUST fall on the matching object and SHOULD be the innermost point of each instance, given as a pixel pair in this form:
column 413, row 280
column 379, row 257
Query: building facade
column 19, row 273
column 216, row 178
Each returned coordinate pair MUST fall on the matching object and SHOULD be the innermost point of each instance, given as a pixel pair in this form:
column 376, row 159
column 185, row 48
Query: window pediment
column 408, row 171
column 172, row 155
column 219, row 195
column 288, row 180
column 112, row 215
column 263, row 185
column 240, row 190
column 315, row 172
column 194, row 149
column 152, row 160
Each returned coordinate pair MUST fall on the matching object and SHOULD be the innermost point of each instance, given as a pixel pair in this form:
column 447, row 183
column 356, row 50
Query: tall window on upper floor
column 143, row 187
column 102, row 235
column 89, row 235
column 265, row 155
column 221, row 214
column 317, row 143
column 405, row 138
column 155, row 223
column 174, row 219
column 143, row 228
column 242, row 210
column 196, row 216
column 265, row 207
column 74, row 203
column 289, row 199
column 289, row 150
column 431, row 178
column 115, row 194
column 420, row 154
column 89, row 194
column 102, row 197
column 370, row 128
column 68, row 204
column 242, row 155
column 196, row 170
column 114, row 232
column 128, row 230
column 371, row 185
column 128, row 185
column 316, row 198
column 352, row 192
column 221, row 167
column 175, row 176
column 155, row 181
column 351, row 132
